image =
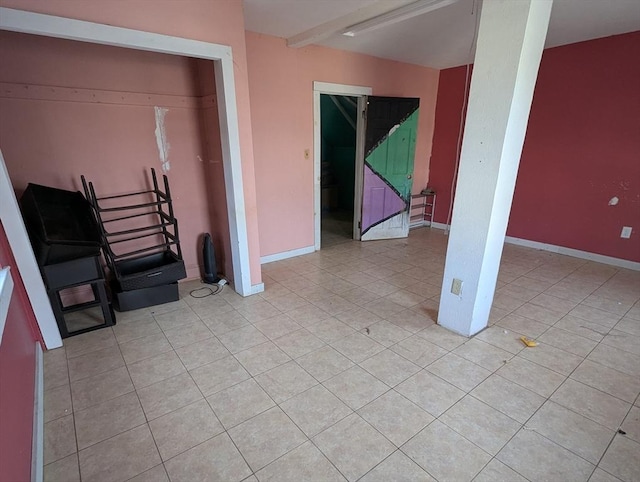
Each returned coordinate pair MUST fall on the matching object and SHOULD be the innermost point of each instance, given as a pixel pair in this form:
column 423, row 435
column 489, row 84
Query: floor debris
column 528, row 341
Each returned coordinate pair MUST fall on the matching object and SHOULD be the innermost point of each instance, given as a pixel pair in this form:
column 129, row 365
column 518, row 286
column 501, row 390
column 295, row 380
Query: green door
column 390, row 144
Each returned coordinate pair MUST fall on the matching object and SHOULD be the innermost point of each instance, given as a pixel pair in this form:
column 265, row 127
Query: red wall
column 445, row 138
column 582, row 148
column 17, row 377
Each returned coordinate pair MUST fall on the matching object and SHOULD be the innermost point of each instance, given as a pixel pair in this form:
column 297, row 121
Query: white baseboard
column 425, row 224
column 286, row 254
column 442, row 226
column 37, row 449
column 255, row 289
column 576, row 253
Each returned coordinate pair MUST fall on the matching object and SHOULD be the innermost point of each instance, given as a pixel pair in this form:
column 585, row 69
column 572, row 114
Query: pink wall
column 98, row 120
column 581, row 148
column 17, row 376
column 281, row 87
column 219, row 22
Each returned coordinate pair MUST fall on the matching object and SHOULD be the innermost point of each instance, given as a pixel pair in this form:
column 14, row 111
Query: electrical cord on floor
column 219, row 285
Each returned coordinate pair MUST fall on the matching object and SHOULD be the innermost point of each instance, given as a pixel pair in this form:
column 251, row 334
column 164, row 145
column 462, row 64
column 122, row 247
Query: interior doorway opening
column 65, row 28
column 323, row 92
column 114, row 114
column 338, row 131
column 99, row 121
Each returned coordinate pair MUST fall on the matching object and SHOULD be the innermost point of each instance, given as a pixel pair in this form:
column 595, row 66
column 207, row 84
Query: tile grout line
column 522, row 425
column 206, row 401
column 567, row 377
column 541, row 263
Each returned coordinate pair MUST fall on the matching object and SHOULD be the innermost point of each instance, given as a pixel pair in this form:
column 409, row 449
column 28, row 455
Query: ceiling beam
column 401, row 14
column 338, row 25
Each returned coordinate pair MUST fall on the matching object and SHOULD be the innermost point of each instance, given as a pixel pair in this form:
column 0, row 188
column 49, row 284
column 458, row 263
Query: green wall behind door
column 339, row 147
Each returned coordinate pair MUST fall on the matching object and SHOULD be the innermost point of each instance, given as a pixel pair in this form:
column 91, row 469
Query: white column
column 509, row 48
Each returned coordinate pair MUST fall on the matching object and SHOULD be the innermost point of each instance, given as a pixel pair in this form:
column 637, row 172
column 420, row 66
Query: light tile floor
column 337, row 371
column 336, row 227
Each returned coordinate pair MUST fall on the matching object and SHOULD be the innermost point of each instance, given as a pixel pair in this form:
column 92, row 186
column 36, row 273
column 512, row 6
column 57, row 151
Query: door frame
column 352, row 91
column 25, row 259
column 221, row 55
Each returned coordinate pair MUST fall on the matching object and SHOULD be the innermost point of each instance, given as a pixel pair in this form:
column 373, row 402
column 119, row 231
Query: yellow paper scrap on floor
column 528, row 341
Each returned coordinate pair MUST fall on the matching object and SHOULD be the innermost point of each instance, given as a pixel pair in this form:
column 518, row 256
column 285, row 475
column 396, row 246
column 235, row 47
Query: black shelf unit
column 141, row 244
column 66, row 243
column 85, row 271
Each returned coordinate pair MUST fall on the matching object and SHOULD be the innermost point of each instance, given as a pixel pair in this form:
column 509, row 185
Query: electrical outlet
column 626, row 232
column 456, row 287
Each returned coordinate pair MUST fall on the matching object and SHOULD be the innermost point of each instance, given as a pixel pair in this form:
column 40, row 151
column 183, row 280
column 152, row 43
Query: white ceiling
column 438, row 39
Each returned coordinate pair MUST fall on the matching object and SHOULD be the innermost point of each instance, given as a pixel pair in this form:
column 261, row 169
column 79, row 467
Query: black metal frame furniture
column 141, row 244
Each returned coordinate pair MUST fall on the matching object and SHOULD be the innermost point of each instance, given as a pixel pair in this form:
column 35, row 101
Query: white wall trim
column 335, row 89
column 576, row 253
column 287, row 254
column 232, row 167
column 358, row 189
column 425, row 223
column 37, row 449
column 25, row 259
column 91, row 32
column 6, row 290
column 340, row 89
column 443, row 226
column 66, row 28
column 259, row 288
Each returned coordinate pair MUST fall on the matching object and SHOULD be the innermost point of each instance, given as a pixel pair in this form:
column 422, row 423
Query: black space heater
column 209, row 259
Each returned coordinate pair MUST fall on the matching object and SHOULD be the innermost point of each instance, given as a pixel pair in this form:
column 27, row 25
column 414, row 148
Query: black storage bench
column 60, row 223
column 71, row 274
column 67, row 245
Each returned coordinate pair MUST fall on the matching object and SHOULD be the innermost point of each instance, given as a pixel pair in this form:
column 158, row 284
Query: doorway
column 338, row 130
column 338, row 144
